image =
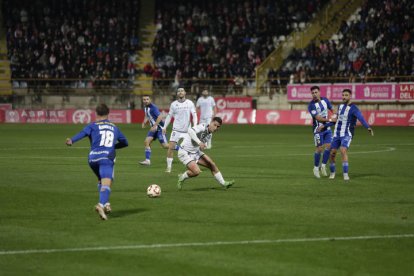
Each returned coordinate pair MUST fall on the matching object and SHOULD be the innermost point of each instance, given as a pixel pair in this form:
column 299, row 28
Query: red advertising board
column 361, row 92
column 299, row 117
column 70, row 116
column 233, row 103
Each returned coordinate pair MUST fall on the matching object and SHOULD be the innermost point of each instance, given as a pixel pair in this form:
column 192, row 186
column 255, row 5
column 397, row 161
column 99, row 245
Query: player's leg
column 207, row 162
column 190, row 161
column 327, row 140
column 162, row 138
column 172, row 145
column 106, row 171
column 317, row 154
column 346, row 142
column 334, row 147
column 147, row 144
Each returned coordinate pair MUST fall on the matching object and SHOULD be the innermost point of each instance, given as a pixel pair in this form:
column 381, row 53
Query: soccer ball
column 153, row 190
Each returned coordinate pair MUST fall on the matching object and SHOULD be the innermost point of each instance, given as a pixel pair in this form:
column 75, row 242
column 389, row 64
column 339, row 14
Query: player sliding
column 191, row 155
column 347, row 116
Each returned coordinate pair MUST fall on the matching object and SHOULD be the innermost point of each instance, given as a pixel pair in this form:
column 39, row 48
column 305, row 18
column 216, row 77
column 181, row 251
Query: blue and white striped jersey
column 319, row 108
column 347, row 119
column 152, row 112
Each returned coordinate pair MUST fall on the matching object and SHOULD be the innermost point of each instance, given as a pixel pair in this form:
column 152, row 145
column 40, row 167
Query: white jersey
column 181, row 111
column 202, row 133
column 206, row 106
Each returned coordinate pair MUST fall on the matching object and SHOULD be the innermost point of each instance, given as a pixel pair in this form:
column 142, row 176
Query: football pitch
column 276, row 220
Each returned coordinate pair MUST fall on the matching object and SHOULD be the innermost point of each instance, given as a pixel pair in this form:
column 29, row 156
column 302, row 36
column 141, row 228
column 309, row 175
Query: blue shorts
column 158, row 135
column 322, row 138
column 103, row 168
column 344, row 141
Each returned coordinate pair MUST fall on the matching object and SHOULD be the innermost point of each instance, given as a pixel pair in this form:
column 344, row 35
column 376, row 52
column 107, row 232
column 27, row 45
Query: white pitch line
column 201, row 244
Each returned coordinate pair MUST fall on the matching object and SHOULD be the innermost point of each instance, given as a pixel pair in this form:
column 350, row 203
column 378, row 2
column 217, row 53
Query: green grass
column 48, row 193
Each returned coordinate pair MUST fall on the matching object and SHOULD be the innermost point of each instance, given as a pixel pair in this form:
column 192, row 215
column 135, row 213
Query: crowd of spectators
column 375, row 44
column 84, row 42
column 222, row 39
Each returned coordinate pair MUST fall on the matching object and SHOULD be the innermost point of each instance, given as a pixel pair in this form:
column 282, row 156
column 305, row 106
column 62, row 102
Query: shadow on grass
column 210, row 189
column 127, row 212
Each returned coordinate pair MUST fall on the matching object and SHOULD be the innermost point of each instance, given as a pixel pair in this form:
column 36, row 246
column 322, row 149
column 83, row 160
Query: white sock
column 323, row 165
column 219, row 178
column 169, row 162
column 184, row 176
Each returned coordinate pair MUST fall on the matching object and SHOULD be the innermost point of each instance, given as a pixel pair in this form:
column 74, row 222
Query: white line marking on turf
column 202, row 244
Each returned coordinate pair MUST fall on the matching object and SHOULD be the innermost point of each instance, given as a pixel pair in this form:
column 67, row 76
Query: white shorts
column 205, row 120
column 186, row 157
column 176, row 136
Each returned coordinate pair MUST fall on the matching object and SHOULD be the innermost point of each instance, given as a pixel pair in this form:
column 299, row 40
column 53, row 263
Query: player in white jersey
column 191, row 155
column 207, row 108
column 181, row 109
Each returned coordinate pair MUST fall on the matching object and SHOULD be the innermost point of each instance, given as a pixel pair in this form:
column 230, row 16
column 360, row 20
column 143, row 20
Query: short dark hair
column 146, row 95
column 315, row 87
column 218, row 120
column 102, row 110
column 347, row 90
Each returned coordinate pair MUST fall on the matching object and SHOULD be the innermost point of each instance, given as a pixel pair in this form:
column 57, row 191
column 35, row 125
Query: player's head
column 102, row 110
column 316, row 94
column 346, row 95
column 204, row 93
column 181, row 93
column 215, row 124
column 146, row 100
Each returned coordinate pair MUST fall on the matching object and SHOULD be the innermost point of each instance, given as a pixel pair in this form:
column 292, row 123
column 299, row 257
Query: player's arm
column 122, row 141
column 168, row 119
column 192, row 131
column 157, row 122
column 361, row 118
column 145, row 121
column 194, row 113
column 85, row 132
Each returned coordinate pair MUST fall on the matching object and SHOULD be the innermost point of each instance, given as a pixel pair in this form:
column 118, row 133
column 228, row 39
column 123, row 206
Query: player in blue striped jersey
column 347, row 116
column 154, row 117
column 319, row 108
column 105, row 137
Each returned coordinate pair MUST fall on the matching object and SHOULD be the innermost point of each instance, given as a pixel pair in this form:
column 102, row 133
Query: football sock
column 219, row 178
column 325, row 156
column 332, row 167
column 148, row 153
column 184, row 176
column 345, row 167
column 317, row 158
column 104, row 194
column 169, row 162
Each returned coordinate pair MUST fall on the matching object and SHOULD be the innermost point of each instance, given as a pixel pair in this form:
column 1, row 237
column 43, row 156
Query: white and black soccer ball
column 153, row 190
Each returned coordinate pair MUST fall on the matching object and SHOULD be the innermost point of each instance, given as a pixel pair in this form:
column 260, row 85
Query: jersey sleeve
column 361, row 118
column 328, row 103
column 312, row 110
column 155, row 112
column 198, row 102
column 85, row 132
column 122, row 141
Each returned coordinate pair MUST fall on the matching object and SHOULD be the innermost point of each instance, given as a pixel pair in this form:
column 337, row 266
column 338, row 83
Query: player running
column 191, row 155
column 318, row 108
column 154, row 118
column 181, row 109
column 104, row 137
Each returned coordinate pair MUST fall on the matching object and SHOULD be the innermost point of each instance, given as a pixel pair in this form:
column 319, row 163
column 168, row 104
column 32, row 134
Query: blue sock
column 104, row 194
column 148, row 153
column 177, row 147
column 332, row 167
column 325, row 156
column 345, row 167
column 317, row 158
column 99, row 186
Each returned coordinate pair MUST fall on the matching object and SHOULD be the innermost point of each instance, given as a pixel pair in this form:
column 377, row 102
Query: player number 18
column 107, row 138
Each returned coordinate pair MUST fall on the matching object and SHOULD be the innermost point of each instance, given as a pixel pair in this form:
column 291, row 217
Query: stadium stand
column 374, row 44
column 222, row 40
column 72, row 43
